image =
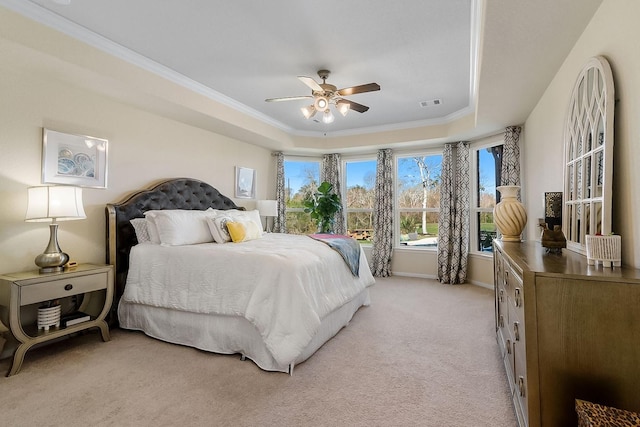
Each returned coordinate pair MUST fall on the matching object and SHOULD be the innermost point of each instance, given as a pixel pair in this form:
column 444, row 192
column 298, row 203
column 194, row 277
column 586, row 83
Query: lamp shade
column 58, row 203
column 267, row 207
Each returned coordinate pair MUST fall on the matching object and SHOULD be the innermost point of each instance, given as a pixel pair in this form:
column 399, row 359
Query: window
column 418, row 199
column 301, row 179
column 360, row 178
column 487, row 160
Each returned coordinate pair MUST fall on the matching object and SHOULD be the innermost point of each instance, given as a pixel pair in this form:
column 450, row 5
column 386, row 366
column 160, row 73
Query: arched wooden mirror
column 589, row 155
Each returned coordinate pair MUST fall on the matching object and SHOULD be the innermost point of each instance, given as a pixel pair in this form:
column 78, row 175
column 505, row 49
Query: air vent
column 431, row 103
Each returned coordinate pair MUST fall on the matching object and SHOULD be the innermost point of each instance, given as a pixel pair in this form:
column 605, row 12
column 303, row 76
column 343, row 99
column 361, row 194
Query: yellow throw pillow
column 242, row 231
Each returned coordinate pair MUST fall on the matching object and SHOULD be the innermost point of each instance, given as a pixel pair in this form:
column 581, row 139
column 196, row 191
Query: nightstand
column 19, row 290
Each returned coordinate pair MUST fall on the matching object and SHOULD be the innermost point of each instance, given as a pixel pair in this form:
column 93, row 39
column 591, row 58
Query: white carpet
column 423, row 354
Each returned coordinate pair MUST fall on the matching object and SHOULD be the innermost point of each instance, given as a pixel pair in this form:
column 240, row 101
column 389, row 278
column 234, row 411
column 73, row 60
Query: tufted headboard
column 178, row 193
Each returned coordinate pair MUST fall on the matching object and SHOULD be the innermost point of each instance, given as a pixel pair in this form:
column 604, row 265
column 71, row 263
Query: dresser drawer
column 54, row 289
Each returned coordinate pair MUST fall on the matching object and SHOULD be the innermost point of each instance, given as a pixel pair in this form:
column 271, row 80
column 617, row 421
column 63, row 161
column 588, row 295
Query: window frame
column 425, row 152
column 343, row 183
column 474, row 225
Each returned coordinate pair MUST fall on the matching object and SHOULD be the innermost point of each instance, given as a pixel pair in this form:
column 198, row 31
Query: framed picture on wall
column 245, row 183
column 74, row 159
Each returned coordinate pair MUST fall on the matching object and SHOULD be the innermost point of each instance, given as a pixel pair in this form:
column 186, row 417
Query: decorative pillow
column 218, row 228
column 242, row 231
column 181, row 227
column 141, row 229
column 236, row 215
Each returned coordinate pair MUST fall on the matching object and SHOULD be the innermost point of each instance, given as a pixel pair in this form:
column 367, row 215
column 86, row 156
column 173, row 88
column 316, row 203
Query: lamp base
column 51, row 262
column 53, row 259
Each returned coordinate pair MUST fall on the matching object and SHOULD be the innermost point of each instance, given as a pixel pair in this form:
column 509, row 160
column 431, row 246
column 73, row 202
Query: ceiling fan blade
column 369, row 87
column 355, row 106
column 288, row 98
column 311, row 83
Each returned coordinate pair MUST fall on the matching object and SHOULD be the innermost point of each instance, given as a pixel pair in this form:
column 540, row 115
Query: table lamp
column 53, row 204
column 267, row 208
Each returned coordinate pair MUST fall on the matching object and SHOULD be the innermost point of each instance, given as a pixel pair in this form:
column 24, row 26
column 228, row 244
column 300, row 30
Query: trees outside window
column 301, row 178
column 360, row 178
column 418, row 199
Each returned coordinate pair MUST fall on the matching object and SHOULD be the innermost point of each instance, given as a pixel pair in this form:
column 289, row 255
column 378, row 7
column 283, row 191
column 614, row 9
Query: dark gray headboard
column 177, row 193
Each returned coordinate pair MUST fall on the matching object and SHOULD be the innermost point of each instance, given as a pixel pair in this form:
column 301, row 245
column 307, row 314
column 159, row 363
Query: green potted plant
column 323, row 206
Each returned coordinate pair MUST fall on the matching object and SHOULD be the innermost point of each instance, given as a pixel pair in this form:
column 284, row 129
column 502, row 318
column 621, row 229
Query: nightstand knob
column 68, row 287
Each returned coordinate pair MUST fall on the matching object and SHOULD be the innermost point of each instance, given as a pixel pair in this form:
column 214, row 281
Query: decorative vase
column 509, row 215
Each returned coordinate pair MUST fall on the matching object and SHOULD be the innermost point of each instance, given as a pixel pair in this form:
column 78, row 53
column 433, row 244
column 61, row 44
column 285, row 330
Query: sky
column 358, row 171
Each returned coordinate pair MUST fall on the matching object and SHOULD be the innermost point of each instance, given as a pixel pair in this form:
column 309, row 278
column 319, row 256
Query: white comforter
column 283, row 284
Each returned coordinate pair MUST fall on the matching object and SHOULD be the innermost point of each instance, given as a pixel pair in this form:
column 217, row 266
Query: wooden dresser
column 566, row 331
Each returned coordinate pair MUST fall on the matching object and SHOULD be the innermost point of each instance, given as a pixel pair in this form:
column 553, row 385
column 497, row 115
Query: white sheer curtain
column 383, row 216
column 453, row 222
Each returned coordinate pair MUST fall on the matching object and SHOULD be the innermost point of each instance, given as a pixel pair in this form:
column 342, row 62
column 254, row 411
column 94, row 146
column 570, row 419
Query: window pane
column 360, row 226
column 300, row 223
column 486, row 231
column 361, row 180
column 301, row 179
column 419, row 181
column 419, row 229
column 489, row 163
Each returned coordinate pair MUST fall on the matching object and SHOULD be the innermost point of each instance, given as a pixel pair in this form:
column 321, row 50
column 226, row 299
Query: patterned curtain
column 453, row 222
column 331, row 173
column 510, row 174
column 383, row 216
column 280, row 221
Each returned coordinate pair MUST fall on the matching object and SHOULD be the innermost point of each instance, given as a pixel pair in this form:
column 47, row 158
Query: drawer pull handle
column 509, row 346
column 521, row 386
column 501, row 321
column 516, row 331
column 68, row 287
column 518, row 300
column 501, row 296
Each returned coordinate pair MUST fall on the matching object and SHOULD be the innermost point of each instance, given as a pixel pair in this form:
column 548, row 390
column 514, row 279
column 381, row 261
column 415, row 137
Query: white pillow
column 218, row 228
column 181, row 227
column 253, row 216
column 141, row 229
column 152, row 229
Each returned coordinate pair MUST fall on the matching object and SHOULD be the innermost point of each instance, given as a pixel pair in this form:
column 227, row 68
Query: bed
column 274, row 298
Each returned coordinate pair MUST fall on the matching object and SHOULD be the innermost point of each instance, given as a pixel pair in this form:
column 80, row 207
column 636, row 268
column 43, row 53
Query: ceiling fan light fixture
column 328, row 116
column 308, row 111
column 321, row 103
column 343, row 108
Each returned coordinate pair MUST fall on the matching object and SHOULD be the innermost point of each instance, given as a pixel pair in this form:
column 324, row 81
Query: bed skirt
column 228, row 334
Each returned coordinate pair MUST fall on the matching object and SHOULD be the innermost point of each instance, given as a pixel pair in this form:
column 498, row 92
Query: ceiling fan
column 325, row 94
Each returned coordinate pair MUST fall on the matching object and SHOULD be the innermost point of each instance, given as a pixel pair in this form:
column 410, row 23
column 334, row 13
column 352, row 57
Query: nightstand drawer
column 61, row 288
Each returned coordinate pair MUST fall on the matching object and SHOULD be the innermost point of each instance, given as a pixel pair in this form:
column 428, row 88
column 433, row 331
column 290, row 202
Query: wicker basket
column 603, row 249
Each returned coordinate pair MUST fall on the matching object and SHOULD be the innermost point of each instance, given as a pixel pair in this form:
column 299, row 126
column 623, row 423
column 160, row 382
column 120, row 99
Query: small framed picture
column 74, row 159
column 245, row 183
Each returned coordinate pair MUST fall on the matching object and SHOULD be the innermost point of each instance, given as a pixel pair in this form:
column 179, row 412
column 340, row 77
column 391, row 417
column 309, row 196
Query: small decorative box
column 592, row 415
column 603, row 249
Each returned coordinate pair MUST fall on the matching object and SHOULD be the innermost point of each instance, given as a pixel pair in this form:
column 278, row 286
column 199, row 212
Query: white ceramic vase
column 509, row 215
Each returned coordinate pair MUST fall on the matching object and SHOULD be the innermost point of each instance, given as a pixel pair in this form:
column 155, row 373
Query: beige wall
column 143, row 148
column 613, row 32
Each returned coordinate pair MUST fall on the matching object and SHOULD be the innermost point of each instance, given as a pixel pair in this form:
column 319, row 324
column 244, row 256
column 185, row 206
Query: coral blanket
column 346, row 246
